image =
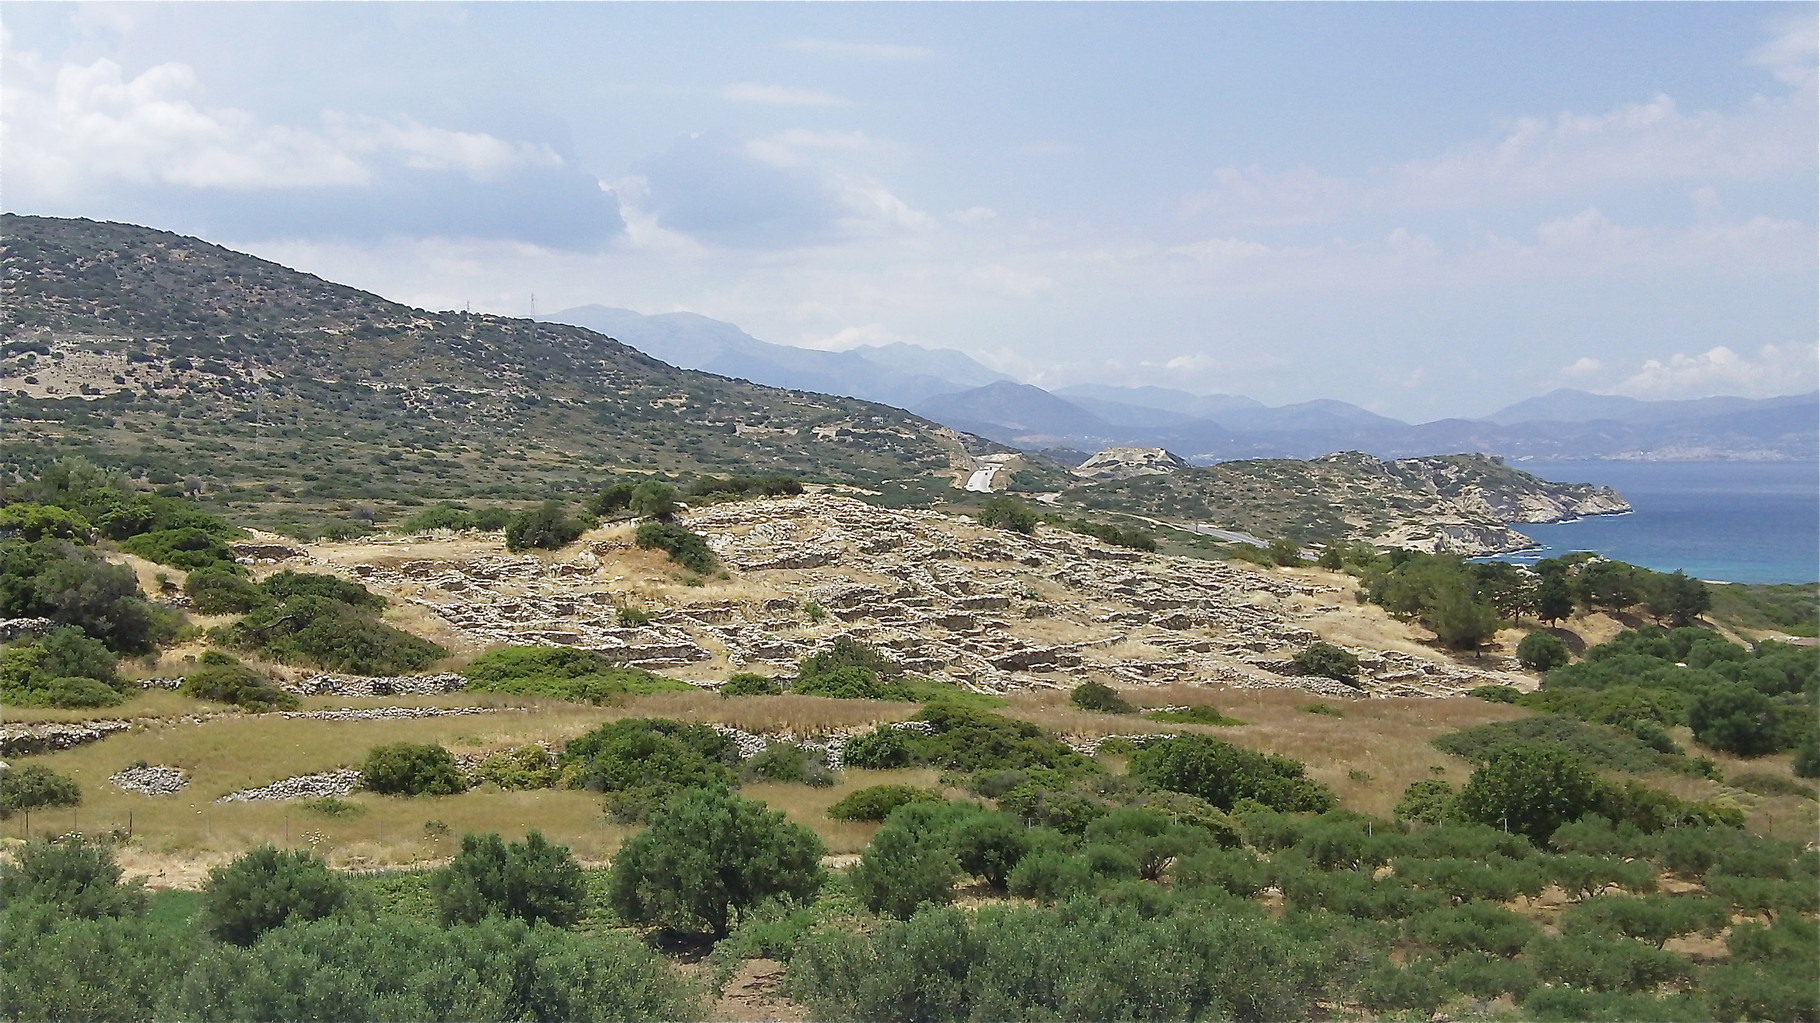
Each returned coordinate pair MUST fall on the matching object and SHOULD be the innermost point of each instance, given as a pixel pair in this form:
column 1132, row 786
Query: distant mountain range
column 895, row 374
column 950, row 388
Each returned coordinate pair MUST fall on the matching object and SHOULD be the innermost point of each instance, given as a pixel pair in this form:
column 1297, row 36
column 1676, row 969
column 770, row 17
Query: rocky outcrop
column 1124, row 463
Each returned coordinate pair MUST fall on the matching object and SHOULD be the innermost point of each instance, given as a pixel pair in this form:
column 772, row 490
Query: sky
column 1429, row 210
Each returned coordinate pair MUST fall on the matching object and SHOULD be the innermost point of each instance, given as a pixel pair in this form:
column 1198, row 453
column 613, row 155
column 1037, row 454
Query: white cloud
column 859, row 51
column 80, row 124
column 780, row 95
column 1791, row 55
column 1584, row 366
column 1774, row 369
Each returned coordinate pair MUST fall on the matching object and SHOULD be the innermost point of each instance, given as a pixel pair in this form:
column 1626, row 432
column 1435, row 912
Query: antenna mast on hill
column 533, row 305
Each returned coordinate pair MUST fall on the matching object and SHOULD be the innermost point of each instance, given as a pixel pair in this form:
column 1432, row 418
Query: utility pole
column 533, row 305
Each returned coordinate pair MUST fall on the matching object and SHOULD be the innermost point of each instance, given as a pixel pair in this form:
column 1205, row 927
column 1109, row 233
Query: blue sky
column 1427, row 209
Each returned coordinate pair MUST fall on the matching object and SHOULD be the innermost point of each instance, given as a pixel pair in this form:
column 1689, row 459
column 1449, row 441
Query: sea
column 1739, row 522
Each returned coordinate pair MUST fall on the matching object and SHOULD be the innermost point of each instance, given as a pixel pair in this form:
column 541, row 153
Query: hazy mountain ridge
column 1773, row 429
column 897, row 374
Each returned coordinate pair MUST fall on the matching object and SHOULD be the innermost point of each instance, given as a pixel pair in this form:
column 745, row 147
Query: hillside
column 1455, row 503
column 268, row 388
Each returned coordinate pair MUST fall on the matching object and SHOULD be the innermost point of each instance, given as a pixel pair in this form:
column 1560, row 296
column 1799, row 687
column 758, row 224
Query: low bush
column 564, row 673
column 187, row 548
column 549, row 526
column 268, row 888
column 411, row 769
column 1542, row 651
column 882, row 749
column 219, row 590
column 749, row 683
column 1329, row 661
column 329, row 633
column 789, row 762
column 1006, row 512
column 876, row 802
column 80, row 879
column 526, row 767
column 688, row 549
column 710, row 857
column 531, row 880
column 1101, row 698
column 1223, row 774
column 223, row 679
column 642, row 762
column 64, row 668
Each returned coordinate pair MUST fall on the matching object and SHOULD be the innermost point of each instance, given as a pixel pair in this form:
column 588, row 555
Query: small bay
column 1743, row 522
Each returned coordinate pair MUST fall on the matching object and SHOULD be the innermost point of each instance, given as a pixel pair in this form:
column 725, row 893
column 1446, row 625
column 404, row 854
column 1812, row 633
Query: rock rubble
column 151, row 781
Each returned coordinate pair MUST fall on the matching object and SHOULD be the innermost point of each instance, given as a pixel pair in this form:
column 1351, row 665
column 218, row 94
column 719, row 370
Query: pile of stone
column 364, row 685
column 51, row 736
column 159, row 683
column 20, row 628
column 308, row 786
column 151, row 781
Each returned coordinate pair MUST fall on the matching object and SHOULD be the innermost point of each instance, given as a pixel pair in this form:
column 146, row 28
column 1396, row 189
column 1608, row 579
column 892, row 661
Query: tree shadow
column 1574, row 642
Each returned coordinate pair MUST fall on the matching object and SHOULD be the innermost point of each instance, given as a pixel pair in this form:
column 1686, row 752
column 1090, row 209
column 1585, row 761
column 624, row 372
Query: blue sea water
column 1742, row 522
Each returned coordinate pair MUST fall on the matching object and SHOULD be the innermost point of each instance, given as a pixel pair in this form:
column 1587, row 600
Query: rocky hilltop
column 270, row 387
column 1124, row 463
column 1458, row 503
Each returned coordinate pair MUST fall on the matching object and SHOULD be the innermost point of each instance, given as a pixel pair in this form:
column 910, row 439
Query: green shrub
column 909, row 863
column 81, row 879
column 643, row 762
column 331, row 634
column 64, row 668
column 332, row 807
column 710, row 857
column 969, row 739
column 684, row 547
column 268, row 888
column 1329, row 661
column 1006, row 512
column 391, row 968
column 849, row 683
column 442, row 516
column 876, row 802
column 1496, row 694
column 1100, row 698
column 1223, row 774
column 1600, row 963
column 1431, row 801
column 882, row 749
column 526, row 767
column 1531, row 790
column 43, row 521
column 281, row 586
column 532, row 881
column 989, row 846
column 223, row 679
column 411, row 769
column 75, row 586
column 1472, row 927
column 218, row 590
column 549, row 526
column 35, row 787
column 187, row 548
column 1649, row 918
column 564, row 673
column 749, row 683
column 1542, row 651
column 789, row 762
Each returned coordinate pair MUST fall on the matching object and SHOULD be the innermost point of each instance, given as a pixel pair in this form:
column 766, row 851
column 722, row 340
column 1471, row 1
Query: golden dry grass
column 1386, row 740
